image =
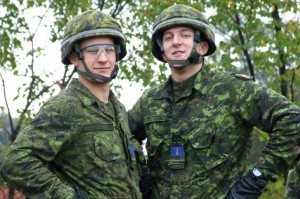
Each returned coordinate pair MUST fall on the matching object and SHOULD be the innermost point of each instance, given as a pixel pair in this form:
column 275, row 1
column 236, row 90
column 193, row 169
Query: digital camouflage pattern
column 88, row 24
column 178, row 15
column 293, row 183
column 212, row 121
column 75, row 145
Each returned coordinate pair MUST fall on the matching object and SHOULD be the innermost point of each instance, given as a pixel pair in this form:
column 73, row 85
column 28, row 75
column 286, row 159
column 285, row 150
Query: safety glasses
column 95, row 50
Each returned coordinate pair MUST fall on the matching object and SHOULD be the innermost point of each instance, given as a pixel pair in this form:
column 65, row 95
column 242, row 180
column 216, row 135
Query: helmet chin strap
column 93, row 76
column 96, row 77
column 194, row 58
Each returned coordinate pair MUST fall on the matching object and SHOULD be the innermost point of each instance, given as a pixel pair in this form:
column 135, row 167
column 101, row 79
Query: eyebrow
column 182, row 30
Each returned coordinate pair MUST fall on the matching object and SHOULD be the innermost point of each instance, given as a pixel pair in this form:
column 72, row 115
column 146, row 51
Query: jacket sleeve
column 293, row 183
column 273, row 113
column 136, row 121
column 25, row 164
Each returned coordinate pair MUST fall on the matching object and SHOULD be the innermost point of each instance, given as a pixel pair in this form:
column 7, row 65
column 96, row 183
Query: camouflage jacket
column 75, row 147
column 197, row 146
column 293, row 183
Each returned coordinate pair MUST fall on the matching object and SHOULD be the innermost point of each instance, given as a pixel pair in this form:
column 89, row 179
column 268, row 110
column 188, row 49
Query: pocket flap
column 155, row 118
column 98, row 127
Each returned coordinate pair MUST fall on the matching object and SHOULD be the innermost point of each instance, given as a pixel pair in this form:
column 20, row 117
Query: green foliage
column 274, row 190
column 255, row 33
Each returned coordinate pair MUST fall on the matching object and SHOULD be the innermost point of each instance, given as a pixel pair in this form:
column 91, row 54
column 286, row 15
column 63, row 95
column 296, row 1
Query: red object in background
column 4, row 193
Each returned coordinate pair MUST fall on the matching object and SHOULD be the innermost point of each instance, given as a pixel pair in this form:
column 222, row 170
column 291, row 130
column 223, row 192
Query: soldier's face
column 99, row 55
column 178, row 43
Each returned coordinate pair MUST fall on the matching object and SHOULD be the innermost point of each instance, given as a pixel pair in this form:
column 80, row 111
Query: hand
column 249, row 187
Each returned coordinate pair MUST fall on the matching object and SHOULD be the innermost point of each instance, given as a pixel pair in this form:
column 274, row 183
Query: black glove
column 250, row 186
column 146, row 185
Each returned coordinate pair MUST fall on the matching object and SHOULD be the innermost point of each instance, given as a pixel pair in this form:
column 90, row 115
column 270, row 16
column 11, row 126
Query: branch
column 29, row 102
column 101, row 4
column 292, row 84
column 249, row 19
column 245, row 51
column 30, row 99
column 275, row 14
column 7, row 106
column 41, row 19
column 225, row 33
column 119, row 7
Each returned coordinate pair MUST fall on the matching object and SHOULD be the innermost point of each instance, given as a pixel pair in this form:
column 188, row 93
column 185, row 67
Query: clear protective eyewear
column 95, row 50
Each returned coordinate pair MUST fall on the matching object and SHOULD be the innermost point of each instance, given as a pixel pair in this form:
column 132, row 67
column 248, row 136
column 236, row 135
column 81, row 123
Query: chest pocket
column 157, row 129
column 107, row 142
column 156, row 125
column 204, row 142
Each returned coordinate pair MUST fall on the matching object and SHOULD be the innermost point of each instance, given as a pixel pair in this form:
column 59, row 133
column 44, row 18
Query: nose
column 176, row 40
column 102, row 56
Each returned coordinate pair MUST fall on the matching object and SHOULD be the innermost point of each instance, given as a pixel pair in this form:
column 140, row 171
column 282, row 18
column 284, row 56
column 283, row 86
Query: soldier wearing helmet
column 198, row 123
column 79, row 144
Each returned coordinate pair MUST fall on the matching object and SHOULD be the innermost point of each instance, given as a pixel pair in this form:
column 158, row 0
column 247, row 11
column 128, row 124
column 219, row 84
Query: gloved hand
column 250, row 186
column 146, row 185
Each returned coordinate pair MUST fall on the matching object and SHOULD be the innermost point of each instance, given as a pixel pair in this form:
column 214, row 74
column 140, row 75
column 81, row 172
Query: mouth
column 101, row 68
column 177, row 52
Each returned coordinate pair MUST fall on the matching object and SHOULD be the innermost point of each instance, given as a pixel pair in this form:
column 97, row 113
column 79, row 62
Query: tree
column 262, row 32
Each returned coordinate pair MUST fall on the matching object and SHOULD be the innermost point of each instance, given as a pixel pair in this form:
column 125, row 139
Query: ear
column 73, row 58
column 202, row 48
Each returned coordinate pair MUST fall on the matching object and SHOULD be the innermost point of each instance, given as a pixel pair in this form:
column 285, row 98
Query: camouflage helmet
column 89, row 24
column 181, row 15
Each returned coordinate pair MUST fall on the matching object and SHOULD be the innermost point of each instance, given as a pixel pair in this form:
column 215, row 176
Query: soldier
column 79, row 144
column 199, row 122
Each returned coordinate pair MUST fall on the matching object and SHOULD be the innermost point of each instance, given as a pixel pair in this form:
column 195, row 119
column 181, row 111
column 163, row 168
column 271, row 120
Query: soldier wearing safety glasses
column 198, row 123
column 79, row 145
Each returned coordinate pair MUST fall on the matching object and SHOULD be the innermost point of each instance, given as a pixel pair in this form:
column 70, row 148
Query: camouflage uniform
column 198, row 131
column 293, row 183
column 75, row 142
column 197, row 142
column 77, row 146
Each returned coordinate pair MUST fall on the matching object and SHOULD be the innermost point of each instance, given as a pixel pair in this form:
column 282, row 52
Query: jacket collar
column 85, row 96
column 201, row 84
